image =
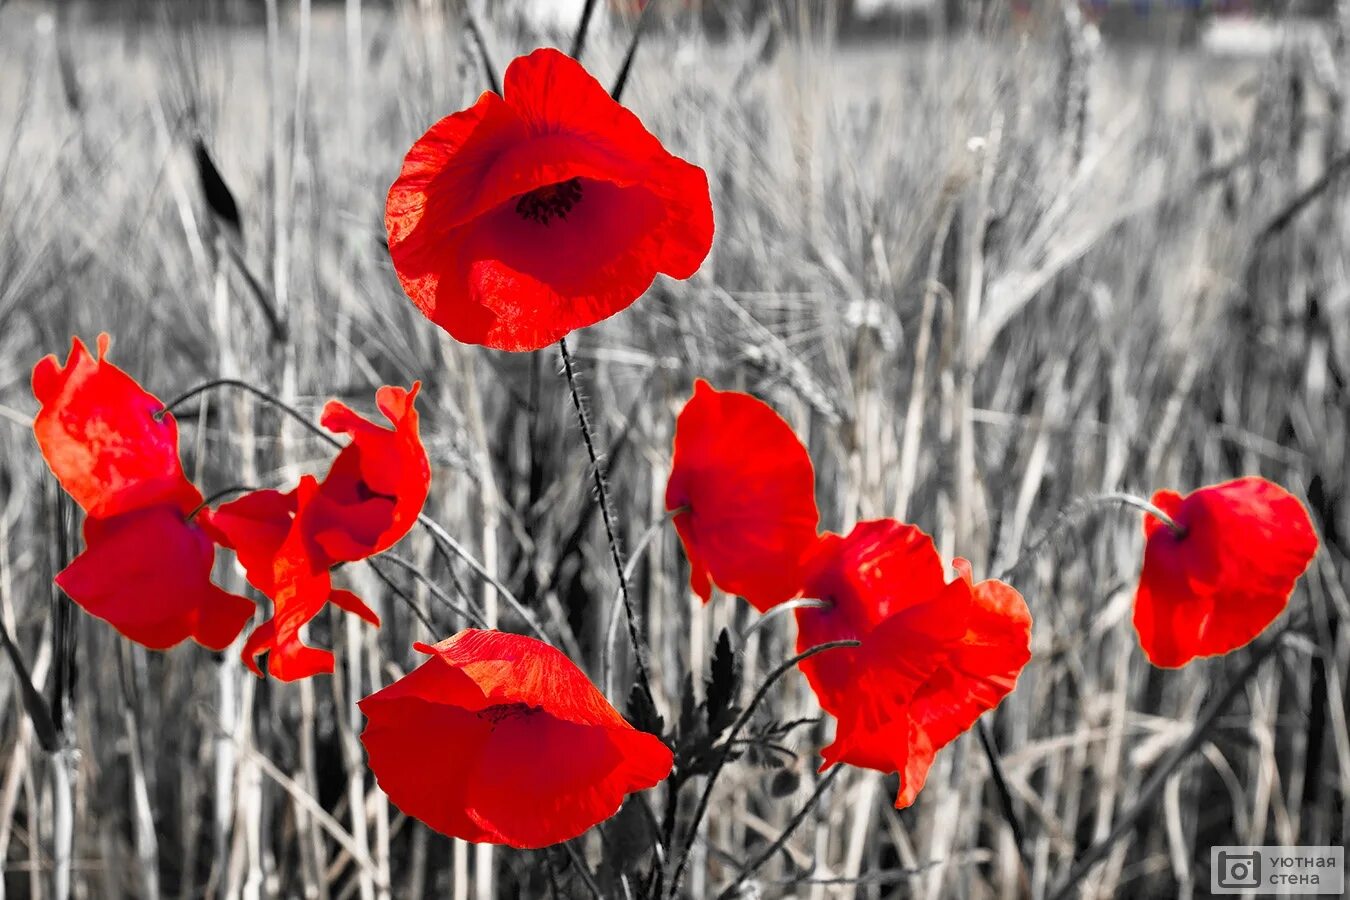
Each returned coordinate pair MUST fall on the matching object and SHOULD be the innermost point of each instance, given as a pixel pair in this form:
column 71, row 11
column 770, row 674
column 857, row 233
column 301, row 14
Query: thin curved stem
column 221, row 495
column 440, row 534
column 793, row 824
column 1143, row 505
column 579, row 863
column 728, row 746
column 255, row 391
column 782, row 608
column 1073, row 513
column 403, row 595
column 606, row 514
column 435, row 589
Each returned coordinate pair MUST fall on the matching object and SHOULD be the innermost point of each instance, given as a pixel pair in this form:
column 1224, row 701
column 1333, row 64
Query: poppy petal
column 148, row 574
column 745, row 490
column 377, row 485
column 97, row 431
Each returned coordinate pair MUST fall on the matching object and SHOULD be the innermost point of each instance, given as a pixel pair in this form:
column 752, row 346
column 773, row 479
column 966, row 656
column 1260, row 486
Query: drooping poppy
column 934, row 655
column 501, row 739
column 146, row 568
column 540, row 211
column 745, row 491
column 1227, row 576
column 288, row 543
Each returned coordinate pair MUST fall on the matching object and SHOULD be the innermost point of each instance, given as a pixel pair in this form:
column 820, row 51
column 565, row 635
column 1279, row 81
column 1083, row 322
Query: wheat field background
column 983, row 274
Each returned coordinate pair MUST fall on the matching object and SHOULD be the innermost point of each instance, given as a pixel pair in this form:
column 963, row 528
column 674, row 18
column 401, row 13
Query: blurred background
column 986, row 257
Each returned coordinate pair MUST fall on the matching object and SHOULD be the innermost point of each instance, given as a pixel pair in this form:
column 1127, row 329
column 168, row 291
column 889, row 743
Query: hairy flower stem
column 728, row 747
column 1074, row 513
column 768, row 853
column 606, row 514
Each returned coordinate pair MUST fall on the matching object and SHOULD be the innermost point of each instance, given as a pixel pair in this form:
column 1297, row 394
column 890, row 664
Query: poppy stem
column 768, row 853
column 431, row 586
column 621, row 81
column 220, row 495
column 258, row 392
column 1074, row 513
column 579, row 863
column 443, row 539
column 406, row 598
column 1005, row 797
column 606, row 514
column 781, row 608
column 1141, row 504
column 728, row 747
column 579, row 36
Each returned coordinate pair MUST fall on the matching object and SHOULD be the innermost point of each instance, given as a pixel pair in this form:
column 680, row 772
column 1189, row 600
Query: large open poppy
column 288, row 543
column 500, row 738
column 145, row 569
column 933, row 656
column 543, row 210
column 745, row 491
column 1227, row 576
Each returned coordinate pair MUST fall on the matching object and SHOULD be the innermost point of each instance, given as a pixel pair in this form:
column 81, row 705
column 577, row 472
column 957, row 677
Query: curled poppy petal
column 148, row 574
column 744, row 489
column 266, row 531
column 377, row 485
column 933, row 655
column 1227, row 577
column 540, row 211
column 97, row 431
column 458, row 743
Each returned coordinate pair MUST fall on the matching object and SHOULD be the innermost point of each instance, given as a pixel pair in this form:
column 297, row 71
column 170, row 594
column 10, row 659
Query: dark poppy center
column 550, row 201
column 502, row 712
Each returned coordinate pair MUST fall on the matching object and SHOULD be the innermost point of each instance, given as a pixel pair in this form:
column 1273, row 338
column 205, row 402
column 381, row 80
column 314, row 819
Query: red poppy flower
column 746, row 489
column 540, row 211
column 97, row 431
column 288, row 543
column 146, row 569
column 377, row 486
column 500, row 738
column 933, row 656
column 1218, row 586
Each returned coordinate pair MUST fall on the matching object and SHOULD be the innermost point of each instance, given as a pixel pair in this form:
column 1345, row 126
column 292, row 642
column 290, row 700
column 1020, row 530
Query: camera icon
column 1237, row 870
